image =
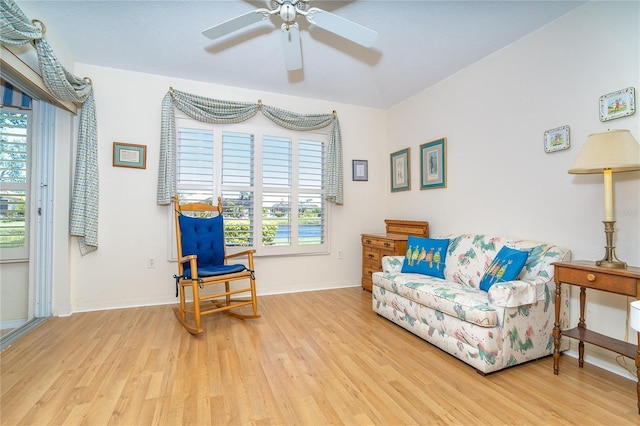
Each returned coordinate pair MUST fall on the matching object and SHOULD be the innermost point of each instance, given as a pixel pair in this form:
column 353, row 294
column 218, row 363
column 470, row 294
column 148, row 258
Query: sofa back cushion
column 469, row 256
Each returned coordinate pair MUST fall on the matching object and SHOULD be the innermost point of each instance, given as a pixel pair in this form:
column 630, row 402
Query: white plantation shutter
column 195, row 164
column 276, row 186
column 272, row 185
column 237, row 187
column 311, row 204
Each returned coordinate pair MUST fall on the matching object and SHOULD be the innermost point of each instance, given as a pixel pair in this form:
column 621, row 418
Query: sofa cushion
column 506, row 266
column 468, row 257
column 454, row 299
column 425, row 256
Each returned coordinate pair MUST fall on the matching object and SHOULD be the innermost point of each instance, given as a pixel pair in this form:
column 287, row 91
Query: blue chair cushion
column 212, row 271
column 204, row 237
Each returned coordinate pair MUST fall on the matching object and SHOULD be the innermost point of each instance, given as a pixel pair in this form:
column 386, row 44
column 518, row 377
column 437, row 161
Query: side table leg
column 582, row 325
column 556, row 332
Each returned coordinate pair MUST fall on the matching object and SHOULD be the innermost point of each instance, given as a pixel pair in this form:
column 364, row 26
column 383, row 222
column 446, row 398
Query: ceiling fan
column 288, row 11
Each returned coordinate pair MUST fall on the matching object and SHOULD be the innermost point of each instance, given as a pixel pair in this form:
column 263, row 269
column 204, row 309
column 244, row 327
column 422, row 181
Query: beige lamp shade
column 617, row 150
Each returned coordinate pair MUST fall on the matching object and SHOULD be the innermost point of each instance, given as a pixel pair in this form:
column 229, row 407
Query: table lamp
column 607, row 153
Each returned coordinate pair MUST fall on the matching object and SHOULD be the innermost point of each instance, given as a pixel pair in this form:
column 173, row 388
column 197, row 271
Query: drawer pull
column 371, row 256
column 367, row 241
column 591, row 277
column 386, row 244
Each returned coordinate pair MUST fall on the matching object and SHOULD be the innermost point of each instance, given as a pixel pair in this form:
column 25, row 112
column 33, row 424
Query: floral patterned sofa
column 509, row 324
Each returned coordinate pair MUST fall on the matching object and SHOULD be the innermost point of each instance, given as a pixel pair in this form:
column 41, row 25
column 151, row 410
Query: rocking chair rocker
column 203, row 261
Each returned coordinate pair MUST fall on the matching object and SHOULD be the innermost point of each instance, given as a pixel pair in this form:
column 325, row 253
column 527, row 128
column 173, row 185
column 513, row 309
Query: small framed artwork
column 433, row 164
column 400, row 171
column 360, row 170
column 129, row 155
column 617, row 104
column 557, row 139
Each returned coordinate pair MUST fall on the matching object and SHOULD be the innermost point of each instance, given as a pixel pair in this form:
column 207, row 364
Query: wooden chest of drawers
column 391, row 243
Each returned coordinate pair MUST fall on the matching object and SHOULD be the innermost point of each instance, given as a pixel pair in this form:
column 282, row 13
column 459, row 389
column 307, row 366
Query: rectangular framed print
column 617, row 104
column 400, row 171
column 129, row 155
column 360, row 170
column 557, row 139
column 433, row 164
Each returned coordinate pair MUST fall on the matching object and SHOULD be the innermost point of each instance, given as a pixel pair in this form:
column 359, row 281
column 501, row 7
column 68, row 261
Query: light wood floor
column 313, row 358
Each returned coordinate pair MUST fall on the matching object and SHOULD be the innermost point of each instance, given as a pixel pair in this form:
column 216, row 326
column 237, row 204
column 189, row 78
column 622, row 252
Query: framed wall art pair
column 433, row 167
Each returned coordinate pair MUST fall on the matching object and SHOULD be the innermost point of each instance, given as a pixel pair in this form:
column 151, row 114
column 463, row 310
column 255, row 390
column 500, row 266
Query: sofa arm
column 511, row 294
column 392, row 263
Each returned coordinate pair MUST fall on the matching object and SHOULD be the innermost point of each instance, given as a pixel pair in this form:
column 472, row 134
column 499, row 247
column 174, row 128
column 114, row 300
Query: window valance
column 222, row 111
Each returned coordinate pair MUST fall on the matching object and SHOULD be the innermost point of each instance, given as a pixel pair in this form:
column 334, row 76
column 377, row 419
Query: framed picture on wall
column 129, row 155
column 400, row 171
column 360, row 170
column 618, row 104
column 557, row 139
column 433, row 164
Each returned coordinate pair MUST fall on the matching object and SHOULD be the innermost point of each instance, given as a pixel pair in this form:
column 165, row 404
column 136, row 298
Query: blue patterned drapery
column 17, row 29
column 221, row 111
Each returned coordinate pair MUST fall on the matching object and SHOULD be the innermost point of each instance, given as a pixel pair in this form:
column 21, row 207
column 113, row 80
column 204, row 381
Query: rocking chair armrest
column 187, row 258
column 241, row 253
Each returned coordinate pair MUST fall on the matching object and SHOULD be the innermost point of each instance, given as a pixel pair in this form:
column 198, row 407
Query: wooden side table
column 374, row 248
column 587, row 275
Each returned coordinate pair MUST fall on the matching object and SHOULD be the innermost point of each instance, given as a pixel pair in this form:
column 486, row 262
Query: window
column 14, row 184
column 270, row 180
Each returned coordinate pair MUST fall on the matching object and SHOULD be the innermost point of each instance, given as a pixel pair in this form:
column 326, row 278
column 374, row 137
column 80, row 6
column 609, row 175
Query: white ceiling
column 419, row 42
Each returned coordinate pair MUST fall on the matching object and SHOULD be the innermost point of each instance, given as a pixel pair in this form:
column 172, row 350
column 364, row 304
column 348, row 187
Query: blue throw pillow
column 506, row 266
column 425, row 256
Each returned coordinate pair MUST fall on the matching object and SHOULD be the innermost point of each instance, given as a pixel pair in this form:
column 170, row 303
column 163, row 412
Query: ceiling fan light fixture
column 287, row 12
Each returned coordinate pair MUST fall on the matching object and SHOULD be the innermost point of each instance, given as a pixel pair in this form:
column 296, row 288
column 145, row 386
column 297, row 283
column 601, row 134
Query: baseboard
column 606, row 360
column 14, row 323
column 27, row 326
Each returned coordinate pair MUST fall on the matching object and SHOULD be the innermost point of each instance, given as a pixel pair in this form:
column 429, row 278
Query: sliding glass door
column 26, row 172
column 15, row 162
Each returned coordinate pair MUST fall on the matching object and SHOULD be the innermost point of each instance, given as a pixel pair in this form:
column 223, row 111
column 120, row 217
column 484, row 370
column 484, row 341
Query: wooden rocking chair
column 203, row 261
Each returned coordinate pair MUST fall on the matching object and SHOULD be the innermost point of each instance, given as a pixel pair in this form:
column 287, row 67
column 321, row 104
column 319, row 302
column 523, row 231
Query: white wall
column 132, row 227
column 14, row 294
column 66, row 135
column 500, row 180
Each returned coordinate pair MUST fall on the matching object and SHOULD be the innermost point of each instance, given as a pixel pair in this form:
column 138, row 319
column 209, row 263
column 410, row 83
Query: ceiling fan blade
column 291, row 46
column 236, row 23
column 342, row 27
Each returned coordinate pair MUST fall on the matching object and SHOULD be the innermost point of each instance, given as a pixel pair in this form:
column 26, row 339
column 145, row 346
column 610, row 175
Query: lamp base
column 610, row 260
